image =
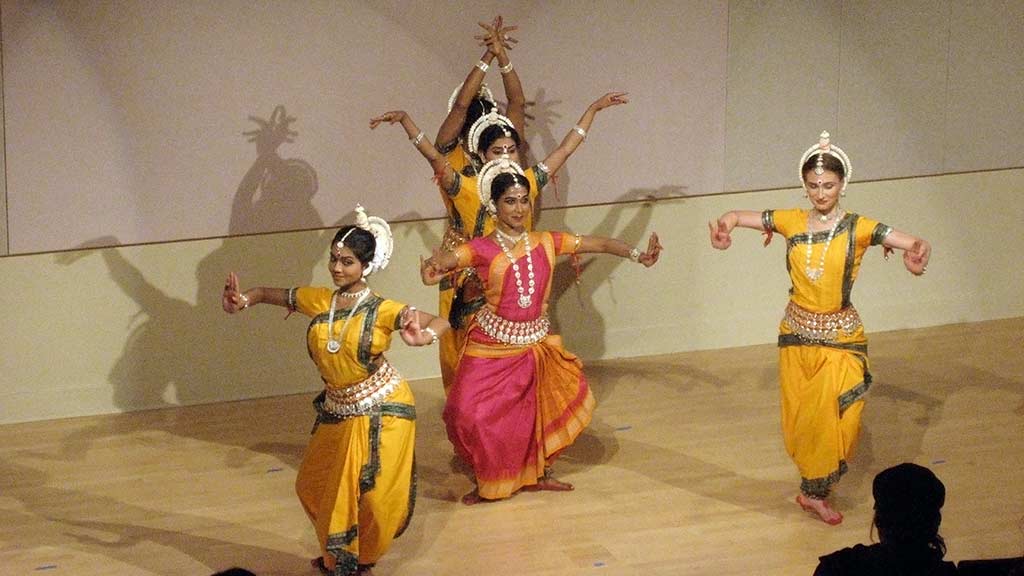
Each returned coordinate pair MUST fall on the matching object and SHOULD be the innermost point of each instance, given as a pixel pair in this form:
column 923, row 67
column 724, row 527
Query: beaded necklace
column 815, row 273
column 334, row 345
column 525, row 297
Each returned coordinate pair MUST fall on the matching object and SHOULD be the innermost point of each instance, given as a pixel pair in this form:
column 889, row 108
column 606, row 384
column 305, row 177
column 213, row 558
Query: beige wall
column 129, row 114
column 96, row 331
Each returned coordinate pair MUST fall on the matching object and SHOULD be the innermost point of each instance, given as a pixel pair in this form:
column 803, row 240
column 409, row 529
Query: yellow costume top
column 366, row 335
column 852, row 237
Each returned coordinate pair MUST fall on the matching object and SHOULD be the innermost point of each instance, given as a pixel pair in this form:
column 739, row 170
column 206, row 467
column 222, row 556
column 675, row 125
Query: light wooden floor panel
column 681, row 472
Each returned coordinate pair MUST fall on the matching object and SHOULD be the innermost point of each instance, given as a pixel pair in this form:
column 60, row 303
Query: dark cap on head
column 908, row 488
column 908, row 499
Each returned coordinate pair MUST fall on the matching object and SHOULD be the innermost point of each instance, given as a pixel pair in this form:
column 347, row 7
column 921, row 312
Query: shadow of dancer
column 175, row 355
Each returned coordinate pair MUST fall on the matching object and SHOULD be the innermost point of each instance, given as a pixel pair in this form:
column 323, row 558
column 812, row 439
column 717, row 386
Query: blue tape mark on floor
column 623, row 428
column 599, row 564
column 274, row 470
column 938, row 462
column 47, row 567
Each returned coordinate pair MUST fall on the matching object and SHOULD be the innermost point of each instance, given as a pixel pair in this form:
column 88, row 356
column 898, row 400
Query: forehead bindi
column 825, row 177
column 342, row 251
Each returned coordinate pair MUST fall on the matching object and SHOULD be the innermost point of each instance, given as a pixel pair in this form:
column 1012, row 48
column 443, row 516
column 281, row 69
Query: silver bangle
column 244, row 299
column 634, row 254
column 417, row 138
column 506, row 68
column 433, row 335
column 579, row 130
column 483, row 66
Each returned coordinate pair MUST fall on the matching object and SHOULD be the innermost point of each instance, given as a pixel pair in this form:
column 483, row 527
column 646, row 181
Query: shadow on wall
column 179, row 353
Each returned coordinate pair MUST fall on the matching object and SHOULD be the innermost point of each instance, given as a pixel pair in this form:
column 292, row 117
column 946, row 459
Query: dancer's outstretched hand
column 916, row 258
column 654, row 248
column 232, row 300
column 721, row 235
column 389, row 117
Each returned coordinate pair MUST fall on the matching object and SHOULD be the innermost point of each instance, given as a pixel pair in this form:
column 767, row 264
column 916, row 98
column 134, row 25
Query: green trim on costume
column 345, row 563
column 880, row 233
column 822, row 235
column 323, row 317
column 412, row 500
column 541, row 176
column 366, row 336
column 368, row 475
column 821, row 487
column 851, row 396
column 453, row 190
column 798, row 340
column 851, row 256
column 447, row 147
column 398, row 410
column 462, row 309
column 481, row 219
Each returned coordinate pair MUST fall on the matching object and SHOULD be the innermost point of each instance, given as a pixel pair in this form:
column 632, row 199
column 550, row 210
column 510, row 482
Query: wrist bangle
column 579, row 130
column 506, row 68
column 244, row 299
column 433, row 335
column 417, row 138
column 634, row 254
column 483, row 66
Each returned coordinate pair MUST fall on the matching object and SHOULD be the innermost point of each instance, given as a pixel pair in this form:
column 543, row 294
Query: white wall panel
column 782, row 88
column 892, row 86
column 985, row 117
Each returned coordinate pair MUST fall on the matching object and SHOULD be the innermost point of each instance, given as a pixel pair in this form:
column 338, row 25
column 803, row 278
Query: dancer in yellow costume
column 491, row 137
column 356, row 481
column 473, row 99
column 823, row 362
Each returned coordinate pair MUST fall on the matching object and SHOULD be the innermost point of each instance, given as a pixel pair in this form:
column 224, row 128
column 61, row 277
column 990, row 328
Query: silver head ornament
column 825, row 146
column 488, row 172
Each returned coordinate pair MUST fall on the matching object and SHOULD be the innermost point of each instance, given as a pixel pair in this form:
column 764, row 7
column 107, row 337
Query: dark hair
column 492, row 133
column 502, row 182
column 828, row 162
column 360, row 242
column 477, row 108
column 908, row 500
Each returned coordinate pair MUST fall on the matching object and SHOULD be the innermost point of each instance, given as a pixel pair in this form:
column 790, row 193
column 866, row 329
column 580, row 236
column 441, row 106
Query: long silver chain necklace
column 525, row 297
column 815, row 273
column 334, row 345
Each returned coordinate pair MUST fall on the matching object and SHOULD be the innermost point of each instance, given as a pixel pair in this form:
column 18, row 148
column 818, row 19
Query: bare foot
column 821, row 508
column 472, row 497
column 547, row 483
column 318, row 563
column 364, row 571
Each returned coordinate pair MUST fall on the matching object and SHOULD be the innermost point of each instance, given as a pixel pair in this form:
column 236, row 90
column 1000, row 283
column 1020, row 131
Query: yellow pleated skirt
column 823, row 389
column 357, row 482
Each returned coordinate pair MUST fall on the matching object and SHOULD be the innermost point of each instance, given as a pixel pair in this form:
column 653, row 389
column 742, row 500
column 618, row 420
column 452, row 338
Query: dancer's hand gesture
column 654, row 248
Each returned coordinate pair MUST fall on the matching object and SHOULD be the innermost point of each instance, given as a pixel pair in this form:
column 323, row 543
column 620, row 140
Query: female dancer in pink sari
column 519, row 397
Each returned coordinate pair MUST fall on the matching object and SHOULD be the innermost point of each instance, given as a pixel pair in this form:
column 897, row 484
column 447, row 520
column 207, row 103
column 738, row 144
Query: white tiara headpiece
column 825, row 146
column 484, row 94
column 488, row 172
column 383, row 238
column 492, row 118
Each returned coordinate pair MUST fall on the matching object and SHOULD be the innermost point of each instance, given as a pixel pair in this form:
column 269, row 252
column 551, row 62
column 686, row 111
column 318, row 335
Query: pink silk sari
column 513, row 408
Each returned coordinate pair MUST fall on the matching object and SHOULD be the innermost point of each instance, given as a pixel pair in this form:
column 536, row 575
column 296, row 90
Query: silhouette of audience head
column 235, row 571
column 908, row 504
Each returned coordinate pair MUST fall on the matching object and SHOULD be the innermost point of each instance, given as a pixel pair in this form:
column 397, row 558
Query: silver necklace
column 334, row 345
column 815, row 273
column 525, row 297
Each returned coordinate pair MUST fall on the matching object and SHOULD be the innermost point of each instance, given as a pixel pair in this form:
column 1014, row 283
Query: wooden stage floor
column 681, row 472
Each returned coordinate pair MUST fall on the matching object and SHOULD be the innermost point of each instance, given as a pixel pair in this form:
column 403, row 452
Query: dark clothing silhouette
column 882, row 560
